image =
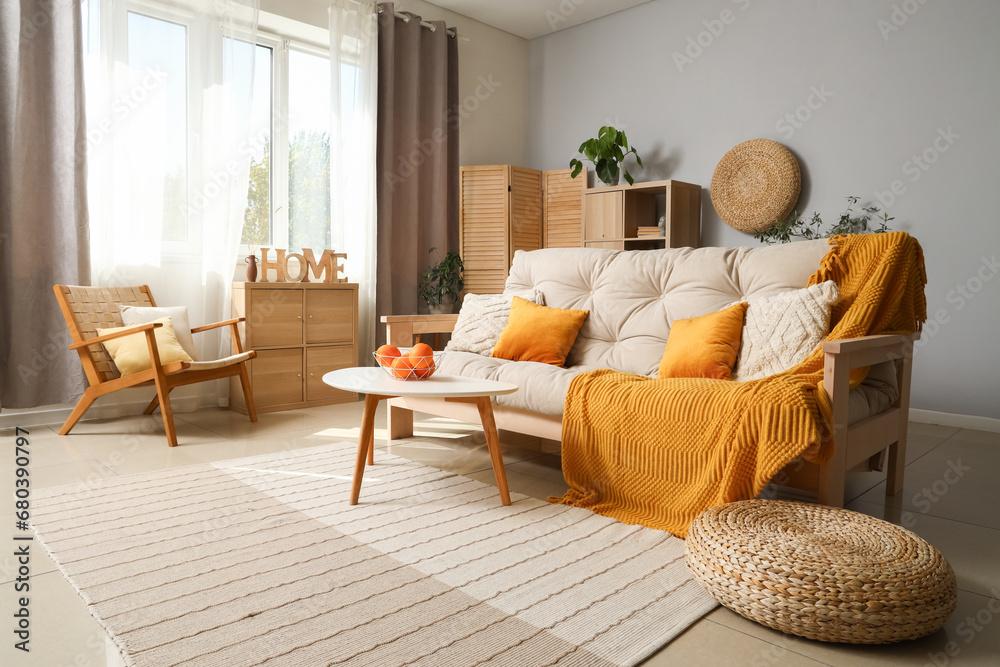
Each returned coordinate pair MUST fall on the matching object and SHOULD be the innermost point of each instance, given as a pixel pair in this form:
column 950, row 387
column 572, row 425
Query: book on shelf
column 646, row 232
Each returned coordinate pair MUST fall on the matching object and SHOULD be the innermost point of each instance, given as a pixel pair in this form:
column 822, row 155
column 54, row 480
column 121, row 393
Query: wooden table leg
column 493, row 443
column 371, row 446
column 365, row 442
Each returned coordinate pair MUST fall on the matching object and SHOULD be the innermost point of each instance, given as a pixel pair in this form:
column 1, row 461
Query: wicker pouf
column 820, row 572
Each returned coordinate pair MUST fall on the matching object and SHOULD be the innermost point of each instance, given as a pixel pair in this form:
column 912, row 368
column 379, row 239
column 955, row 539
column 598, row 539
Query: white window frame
column 114, row 17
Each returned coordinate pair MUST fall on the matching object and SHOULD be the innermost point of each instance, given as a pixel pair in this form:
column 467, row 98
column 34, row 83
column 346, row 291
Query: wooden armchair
column 88, row 309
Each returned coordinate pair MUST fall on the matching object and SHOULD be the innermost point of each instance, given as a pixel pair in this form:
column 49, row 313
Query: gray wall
column 888, row 95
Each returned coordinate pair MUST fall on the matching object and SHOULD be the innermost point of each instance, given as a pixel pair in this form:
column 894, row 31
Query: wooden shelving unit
column 613, row 214
column 300, row 331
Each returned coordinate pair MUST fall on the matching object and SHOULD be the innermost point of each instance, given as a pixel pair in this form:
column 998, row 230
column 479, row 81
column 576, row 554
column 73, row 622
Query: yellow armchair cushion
column 131, row 353
column 538, row 333
column 704, row 347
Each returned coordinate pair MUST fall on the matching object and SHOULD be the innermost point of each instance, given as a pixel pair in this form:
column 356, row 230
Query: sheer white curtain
column 353, row 90
column 169, row 89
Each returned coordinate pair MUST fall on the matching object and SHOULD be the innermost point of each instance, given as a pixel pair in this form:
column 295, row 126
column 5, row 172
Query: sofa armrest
column 400, row 329
column 843, row 356
column 873, row 435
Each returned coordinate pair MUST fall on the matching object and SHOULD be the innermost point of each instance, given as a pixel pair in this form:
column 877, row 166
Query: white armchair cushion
column 483, row 318
column 781, row 331
column 136, row 315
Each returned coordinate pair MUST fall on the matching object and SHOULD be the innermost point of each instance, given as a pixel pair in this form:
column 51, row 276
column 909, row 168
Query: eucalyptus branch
column 797, row 226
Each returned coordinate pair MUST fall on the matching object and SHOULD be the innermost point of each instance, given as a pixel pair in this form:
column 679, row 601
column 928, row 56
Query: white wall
column 492, row 73
column 891, row 95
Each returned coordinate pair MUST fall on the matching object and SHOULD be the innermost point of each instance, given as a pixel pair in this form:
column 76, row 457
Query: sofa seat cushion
column 542, row 387
column 876, row 394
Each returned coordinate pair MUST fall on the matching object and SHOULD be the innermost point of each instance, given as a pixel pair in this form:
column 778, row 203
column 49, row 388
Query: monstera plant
column 606, row 152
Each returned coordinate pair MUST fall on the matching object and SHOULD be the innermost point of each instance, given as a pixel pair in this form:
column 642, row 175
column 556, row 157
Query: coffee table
column 377, row 386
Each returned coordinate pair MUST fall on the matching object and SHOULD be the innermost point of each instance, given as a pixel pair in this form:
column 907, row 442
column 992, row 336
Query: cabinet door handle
column 299, row 316
column 299, row 375
column 310, row 317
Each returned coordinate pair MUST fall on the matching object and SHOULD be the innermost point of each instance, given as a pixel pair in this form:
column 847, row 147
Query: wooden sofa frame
column 874, row 443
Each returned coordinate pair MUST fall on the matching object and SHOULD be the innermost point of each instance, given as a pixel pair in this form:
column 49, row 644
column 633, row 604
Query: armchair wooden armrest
column 224, row 323
column 117, row 334
column 400, row 329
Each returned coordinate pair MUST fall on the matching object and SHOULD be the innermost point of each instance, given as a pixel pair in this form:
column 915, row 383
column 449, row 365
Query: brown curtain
column 43, row 202
column 417, row 156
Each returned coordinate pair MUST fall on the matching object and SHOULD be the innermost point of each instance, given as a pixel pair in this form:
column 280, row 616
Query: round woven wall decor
column 755, row 185
column 819, row 572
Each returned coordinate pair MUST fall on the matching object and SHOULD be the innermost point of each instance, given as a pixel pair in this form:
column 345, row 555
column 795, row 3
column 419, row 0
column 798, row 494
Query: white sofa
column 633, row 298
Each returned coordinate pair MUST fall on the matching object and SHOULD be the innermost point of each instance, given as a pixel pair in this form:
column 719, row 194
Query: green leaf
column 577, row 167
column 606, row 171
column 628, row 178
column 638, row 160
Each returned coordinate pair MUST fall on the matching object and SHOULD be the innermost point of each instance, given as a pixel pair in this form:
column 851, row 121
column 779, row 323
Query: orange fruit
column 401, row 367
column 387, row 354
column 424, row 368
column 421, row 350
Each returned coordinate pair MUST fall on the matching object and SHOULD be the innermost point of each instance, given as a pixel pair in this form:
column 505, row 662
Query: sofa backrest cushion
column 634, row 295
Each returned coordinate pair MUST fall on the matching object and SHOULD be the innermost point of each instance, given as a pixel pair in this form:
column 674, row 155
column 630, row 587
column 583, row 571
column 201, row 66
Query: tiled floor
column 951, row 498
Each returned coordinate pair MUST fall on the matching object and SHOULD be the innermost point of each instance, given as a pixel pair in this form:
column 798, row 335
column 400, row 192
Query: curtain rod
column 453, row 32
column 430, row 26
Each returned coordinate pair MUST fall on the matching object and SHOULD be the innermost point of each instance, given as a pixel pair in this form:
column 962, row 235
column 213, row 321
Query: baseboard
column 952, row 419
column 58, row 414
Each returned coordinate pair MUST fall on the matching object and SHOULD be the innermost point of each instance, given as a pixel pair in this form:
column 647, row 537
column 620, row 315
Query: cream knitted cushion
column 781, row 331
column 482, row 319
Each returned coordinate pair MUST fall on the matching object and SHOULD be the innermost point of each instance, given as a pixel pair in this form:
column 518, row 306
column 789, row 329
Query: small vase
column 251, row 268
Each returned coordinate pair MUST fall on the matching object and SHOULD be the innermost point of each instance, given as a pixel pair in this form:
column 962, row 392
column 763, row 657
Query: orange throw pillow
column 704, row 347
column 538, row 333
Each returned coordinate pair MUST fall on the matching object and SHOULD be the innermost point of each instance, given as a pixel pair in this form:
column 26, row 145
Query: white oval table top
column 375, row 381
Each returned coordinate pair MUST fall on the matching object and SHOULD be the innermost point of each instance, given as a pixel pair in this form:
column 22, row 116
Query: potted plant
column 607, row 151
column 442, row 284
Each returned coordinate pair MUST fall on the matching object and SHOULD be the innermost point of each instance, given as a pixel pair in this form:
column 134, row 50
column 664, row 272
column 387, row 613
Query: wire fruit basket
column 406, row 367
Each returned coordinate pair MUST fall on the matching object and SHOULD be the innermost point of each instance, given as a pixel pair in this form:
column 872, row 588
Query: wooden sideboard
column 300, row 331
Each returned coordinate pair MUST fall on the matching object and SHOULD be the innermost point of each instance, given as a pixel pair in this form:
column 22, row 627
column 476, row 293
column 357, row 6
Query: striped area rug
column 261, row 561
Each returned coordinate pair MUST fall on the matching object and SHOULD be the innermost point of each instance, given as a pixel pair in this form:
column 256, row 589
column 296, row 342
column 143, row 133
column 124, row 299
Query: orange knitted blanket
column 659, row 452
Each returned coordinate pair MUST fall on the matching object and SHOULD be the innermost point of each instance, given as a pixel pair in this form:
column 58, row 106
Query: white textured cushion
column 781, row 331
column 483, row 318
column 136, row 315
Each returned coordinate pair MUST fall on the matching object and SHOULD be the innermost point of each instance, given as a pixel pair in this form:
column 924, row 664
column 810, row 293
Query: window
column 257, row 221
column 308, row 150
column 156, row 106
column 288, row 198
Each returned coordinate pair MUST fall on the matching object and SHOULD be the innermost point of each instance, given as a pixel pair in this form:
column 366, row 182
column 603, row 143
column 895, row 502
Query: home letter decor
column 327, row 269
column 278, row 265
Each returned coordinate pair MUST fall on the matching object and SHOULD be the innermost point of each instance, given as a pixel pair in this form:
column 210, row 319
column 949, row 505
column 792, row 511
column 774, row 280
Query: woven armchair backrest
column 93, row 308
